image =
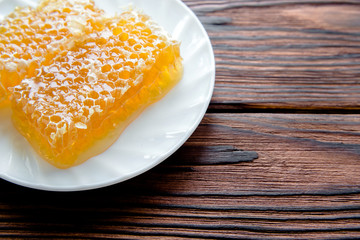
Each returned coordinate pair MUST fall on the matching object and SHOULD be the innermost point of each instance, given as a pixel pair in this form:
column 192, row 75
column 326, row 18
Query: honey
column 28, row 34
column 75, row 102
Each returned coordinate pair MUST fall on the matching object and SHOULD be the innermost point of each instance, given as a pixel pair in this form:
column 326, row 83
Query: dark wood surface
column 277, row 155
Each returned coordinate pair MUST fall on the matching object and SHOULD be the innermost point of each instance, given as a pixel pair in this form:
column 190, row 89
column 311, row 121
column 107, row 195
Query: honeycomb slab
column 80, row 100
column 28, row 34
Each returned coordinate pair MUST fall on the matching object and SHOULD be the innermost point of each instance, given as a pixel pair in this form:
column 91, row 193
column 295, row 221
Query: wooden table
column 277, row 155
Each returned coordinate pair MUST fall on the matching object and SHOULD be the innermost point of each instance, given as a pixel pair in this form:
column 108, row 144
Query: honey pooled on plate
column 28, row 34
column 80, row 101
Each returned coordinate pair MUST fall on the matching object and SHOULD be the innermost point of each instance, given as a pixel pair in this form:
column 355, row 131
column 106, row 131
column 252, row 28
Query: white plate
column 157, row 133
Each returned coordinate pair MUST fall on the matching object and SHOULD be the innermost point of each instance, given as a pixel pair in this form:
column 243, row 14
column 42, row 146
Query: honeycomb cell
column 109, row 77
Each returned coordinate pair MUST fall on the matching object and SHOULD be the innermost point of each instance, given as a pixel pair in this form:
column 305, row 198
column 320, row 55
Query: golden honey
column 80, row 99
column 28, row 34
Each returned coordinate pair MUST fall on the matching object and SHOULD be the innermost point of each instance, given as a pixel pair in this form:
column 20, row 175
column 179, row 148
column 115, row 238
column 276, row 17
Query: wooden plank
column 303, row 183
column 284, row 54
column 309, row 153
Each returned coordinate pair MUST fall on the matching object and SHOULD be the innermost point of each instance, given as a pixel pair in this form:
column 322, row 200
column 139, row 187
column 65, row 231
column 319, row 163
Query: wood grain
column 296, row 154
column 304, row 185
column 284, row 54
column 277, row 156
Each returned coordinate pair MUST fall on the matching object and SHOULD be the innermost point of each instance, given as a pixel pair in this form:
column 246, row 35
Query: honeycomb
column 28, row 34
column 79, row 102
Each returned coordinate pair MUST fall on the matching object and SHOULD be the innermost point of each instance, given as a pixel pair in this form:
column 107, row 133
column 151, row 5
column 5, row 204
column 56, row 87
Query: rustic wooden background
column 277, row 155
